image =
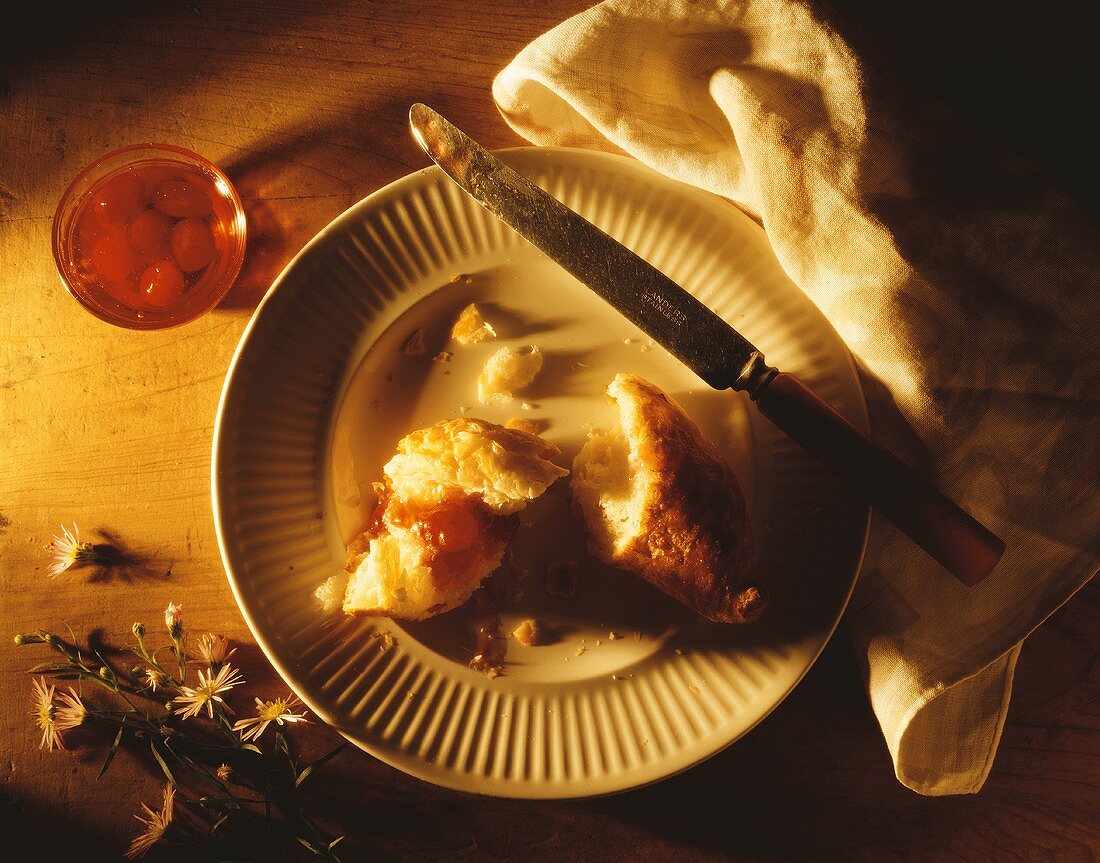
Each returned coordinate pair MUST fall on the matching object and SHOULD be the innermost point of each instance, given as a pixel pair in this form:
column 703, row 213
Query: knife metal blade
column 694, row 334
column 713, row 349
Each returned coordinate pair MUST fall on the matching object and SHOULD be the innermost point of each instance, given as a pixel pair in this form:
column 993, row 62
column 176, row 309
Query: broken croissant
column 445, row 515
column 659, row 501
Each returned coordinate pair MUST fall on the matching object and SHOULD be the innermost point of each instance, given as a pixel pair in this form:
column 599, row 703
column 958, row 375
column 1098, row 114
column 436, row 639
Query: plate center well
column 615, row 620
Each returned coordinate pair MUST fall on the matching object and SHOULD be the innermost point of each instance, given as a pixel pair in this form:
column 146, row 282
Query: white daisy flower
column 279, row 711
column 208, row 691
column 69, row 551
column 213, row 648
column 153, row 679
column 45, row 714
column 155, row 824
column 71, row 713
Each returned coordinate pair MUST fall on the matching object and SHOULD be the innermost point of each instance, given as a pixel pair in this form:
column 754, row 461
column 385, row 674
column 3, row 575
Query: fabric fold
column 970, row 318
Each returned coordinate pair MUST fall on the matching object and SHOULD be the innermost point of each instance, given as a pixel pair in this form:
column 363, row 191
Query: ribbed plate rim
column 413, row 766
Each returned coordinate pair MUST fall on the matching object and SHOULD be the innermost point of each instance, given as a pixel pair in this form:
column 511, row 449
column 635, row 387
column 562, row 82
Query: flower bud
column 28, row 639
column 173, row 621
column 105, row 672
column 138, row 630
column 50, row 639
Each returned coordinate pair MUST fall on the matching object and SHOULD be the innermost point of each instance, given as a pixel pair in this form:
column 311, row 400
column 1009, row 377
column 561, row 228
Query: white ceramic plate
column 319, row 392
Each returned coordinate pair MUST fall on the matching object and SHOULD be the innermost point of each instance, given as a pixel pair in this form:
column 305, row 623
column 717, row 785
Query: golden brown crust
column 695, row 542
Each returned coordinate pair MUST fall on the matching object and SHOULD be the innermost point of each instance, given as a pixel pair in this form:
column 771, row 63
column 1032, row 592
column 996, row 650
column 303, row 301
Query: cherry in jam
column 148, row 234
column 458, row 533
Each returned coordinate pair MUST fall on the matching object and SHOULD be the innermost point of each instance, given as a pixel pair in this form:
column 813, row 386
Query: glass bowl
column 149, row 236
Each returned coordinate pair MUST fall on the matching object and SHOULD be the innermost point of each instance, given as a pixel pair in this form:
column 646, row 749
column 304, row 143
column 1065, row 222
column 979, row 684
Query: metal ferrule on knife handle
column 713, row 349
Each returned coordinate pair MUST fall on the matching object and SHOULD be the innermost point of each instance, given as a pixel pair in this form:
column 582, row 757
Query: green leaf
column 214, row 827
column 320, row 762
column 51, row 667
column 313, row 849
column 111, row 753
column 252, row 748
column 161, row 762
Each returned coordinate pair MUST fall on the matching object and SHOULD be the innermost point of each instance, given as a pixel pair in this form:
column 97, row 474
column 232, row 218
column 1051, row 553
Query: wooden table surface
column 304, row 105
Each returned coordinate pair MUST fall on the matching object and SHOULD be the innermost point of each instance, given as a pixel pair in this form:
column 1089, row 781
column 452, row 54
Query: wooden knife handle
column 967, row 549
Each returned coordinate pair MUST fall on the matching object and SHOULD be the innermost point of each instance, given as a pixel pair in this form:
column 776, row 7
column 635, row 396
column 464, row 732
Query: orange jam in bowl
column 149, row 236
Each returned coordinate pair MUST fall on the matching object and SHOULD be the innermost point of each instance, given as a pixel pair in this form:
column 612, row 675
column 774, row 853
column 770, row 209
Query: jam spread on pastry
column 445, row 514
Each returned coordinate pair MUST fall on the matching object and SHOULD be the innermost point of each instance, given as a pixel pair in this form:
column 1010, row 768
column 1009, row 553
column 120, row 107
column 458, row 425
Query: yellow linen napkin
column 978, row 337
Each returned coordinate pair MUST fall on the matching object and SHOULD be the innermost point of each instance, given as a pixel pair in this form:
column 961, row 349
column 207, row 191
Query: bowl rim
column 86, row 174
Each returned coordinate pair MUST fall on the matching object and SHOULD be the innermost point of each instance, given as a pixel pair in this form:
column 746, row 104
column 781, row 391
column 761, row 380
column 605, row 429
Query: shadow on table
column 117, row 560
column 294, row 182
column 41, row 28
column 73, row 837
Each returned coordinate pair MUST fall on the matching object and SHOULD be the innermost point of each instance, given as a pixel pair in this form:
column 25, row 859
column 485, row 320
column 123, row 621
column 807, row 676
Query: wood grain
column 304, row 105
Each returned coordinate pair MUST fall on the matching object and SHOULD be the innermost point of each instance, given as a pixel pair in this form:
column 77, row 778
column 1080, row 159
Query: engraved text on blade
column 666, row 308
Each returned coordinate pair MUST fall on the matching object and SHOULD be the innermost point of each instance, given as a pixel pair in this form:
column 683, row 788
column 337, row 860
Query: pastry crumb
column 385, row 639
column 331, row 592
column 508, row 370
column 524, row 425
column 621, row 676
column 443, row 357
column 613, row 636
column 491, row 668
column 528, row 633
column 562, row 578
column 471, row 328
column 581, row 651
column 414, row 344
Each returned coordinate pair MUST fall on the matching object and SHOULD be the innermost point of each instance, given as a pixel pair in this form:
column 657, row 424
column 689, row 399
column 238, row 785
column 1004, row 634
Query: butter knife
column 711, row 348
